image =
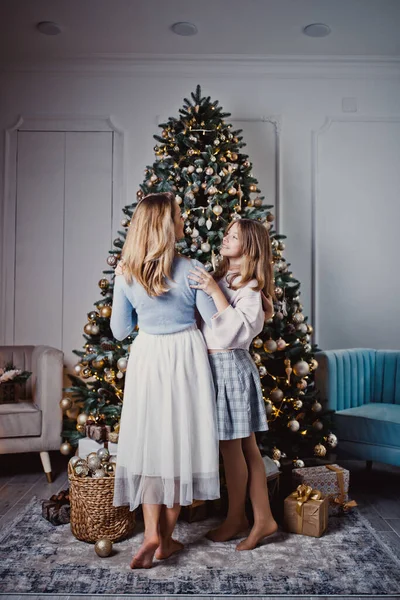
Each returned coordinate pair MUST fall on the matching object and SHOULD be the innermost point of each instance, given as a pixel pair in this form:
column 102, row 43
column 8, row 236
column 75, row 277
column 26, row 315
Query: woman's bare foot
column 257, row 533
column 228, row 530
column 143, row 559
column 167, row 548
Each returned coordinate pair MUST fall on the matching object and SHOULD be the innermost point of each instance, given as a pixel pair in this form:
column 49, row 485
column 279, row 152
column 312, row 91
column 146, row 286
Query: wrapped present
column 57, row 509
column 332, row 480
column 97, row 431
column 87, row 445
column 306, row 512
column 200, row 510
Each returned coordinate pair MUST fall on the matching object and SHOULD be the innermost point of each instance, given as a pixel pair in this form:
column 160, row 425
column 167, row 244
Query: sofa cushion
column 373, row 423
column 22, row 419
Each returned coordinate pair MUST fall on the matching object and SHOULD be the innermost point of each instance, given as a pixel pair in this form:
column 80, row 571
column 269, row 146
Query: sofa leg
column 368, row 465
column 45, row 458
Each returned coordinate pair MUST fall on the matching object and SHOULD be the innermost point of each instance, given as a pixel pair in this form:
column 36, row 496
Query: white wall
column 303, row 96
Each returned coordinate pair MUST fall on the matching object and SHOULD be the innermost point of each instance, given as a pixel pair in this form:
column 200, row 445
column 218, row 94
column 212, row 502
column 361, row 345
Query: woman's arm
column 123, row 316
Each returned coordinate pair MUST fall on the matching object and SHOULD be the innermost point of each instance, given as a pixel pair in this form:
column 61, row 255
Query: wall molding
column 46, row 123
column 293, row 67
column 315, row 138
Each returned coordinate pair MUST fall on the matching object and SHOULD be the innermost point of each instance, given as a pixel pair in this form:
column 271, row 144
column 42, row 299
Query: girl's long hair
column 149, row 248
column 257, row 258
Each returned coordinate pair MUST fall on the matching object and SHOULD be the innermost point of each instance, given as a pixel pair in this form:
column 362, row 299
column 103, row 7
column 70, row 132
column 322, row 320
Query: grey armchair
column 33, row 424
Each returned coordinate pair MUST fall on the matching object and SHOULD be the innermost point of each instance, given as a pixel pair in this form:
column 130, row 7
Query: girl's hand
column 119, row 269
column 204, row 281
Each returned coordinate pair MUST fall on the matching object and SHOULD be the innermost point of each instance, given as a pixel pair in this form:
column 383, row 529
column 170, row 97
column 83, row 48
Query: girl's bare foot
column 228, row 530
column 143, row 559
column 258, row 532
column 167, row 548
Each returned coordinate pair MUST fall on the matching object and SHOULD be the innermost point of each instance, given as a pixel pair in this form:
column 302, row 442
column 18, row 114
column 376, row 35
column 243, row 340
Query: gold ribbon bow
column 303, row 493
column 341, row 498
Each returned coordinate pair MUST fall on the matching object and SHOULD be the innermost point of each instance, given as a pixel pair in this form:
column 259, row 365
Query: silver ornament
column 74, row 460
column 332, row 440
column 298, row 464
column 81, row 468
column 103, row 454
column 316, row 407
column 122, row 363
column 294, row 425
column 99, row 473
column 94, row 463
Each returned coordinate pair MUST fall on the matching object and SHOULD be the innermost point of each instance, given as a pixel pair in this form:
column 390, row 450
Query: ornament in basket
column 91, row 491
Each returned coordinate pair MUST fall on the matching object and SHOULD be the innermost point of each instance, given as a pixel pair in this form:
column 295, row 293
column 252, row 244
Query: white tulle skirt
column 168, row 441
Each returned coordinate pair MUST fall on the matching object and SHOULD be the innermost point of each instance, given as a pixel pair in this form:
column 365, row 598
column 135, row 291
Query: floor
column 377, row 493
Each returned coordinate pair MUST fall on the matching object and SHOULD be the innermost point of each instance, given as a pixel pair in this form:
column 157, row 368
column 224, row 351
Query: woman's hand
column 204, row 281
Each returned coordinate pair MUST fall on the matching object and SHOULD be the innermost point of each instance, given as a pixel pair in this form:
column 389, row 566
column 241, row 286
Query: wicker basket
column 93, row 515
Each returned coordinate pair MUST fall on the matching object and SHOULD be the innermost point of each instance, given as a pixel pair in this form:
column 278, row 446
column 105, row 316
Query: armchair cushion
column 374, row 423
column 22, row 419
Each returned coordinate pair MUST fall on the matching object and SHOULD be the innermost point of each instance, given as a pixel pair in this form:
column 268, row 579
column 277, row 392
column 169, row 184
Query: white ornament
column 217, row 209
column 208, row 224
column 331, row 440
column 122, row 363
column 206, row 247
column 178, row 199
column 120, row 375
column 294, row 425
column 195, row 233
column 201, row 221
column 298, row 464
column 316, row 407
column 191, row 169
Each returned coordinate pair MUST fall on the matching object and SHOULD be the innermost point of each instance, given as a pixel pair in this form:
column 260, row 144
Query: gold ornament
column 65, row 448
column 88, row 329
column 105, row 312
column 257, row 358
column 319, row 450
column 297, row 404
column 82, row 418
column 301, row 368
column 270, row 346
column 98, row 364
column 257, row 202
column 139, row 193
column 302, row 384
column 314, row 364
column 278, row 292
column 104, row 284
column 316, row 407
column 276, row 454
column 257, row 343
column 116, row 427
column 86, row 373
column 217, row 209
column 65, row 404
column 103, row 547
column 270, row 217
column 310, row 330
column 95, row 329
column 234, row 156
column 253, row 187
column 298, row 318
column 276, row 395
column 232, row 191
column 81, row 429
column 110, row 376
column 281, row 344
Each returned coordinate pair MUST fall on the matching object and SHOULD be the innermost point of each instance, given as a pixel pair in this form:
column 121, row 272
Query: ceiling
column 273, row 28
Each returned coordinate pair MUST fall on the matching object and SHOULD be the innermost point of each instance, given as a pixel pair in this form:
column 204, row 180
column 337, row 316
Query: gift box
column 87, row 445
column 306, row 512
column 97, row 432
column 333, row 482
column 57, row 509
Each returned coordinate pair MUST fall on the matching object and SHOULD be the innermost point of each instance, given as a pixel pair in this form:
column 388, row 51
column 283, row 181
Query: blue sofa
column 363, row 387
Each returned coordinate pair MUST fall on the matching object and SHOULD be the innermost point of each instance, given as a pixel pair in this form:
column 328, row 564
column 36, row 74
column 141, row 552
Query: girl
column 241, row 288
column 168, row 444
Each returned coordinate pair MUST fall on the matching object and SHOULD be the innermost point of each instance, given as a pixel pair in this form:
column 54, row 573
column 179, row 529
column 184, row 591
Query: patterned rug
column 36, row 557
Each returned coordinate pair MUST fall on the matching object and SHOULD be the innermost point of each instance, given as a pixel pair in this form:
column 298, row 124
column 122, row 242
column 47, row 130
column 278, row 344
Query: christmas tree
column 200, row 158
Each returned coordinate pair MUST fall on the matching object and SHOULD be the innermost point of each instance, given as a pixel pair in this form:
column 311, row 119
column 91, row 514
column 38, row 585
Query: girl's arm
column 232, row 326
column 123, row 316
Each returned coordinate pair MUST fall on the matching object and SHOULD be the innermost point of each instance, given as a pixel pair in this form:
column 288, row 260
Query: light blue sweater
column 169, row 313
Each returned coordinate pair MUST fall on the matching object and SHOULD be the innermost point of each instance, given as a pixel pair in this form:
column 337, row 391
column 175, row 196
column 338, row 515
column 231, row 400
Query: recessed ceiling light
column 48, row 28
column 184, row 28
column 317, row 30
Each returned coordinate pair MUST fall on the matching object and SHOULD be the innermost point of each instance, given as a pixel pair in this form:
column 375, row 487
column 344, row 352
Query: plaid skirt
column 240, row 403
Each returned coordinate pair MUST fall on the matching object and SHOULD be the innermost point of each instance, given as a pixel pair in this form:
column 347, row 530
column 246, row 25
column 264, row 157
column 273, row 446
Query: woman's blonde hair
column 149, row 248
column 257, row 257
